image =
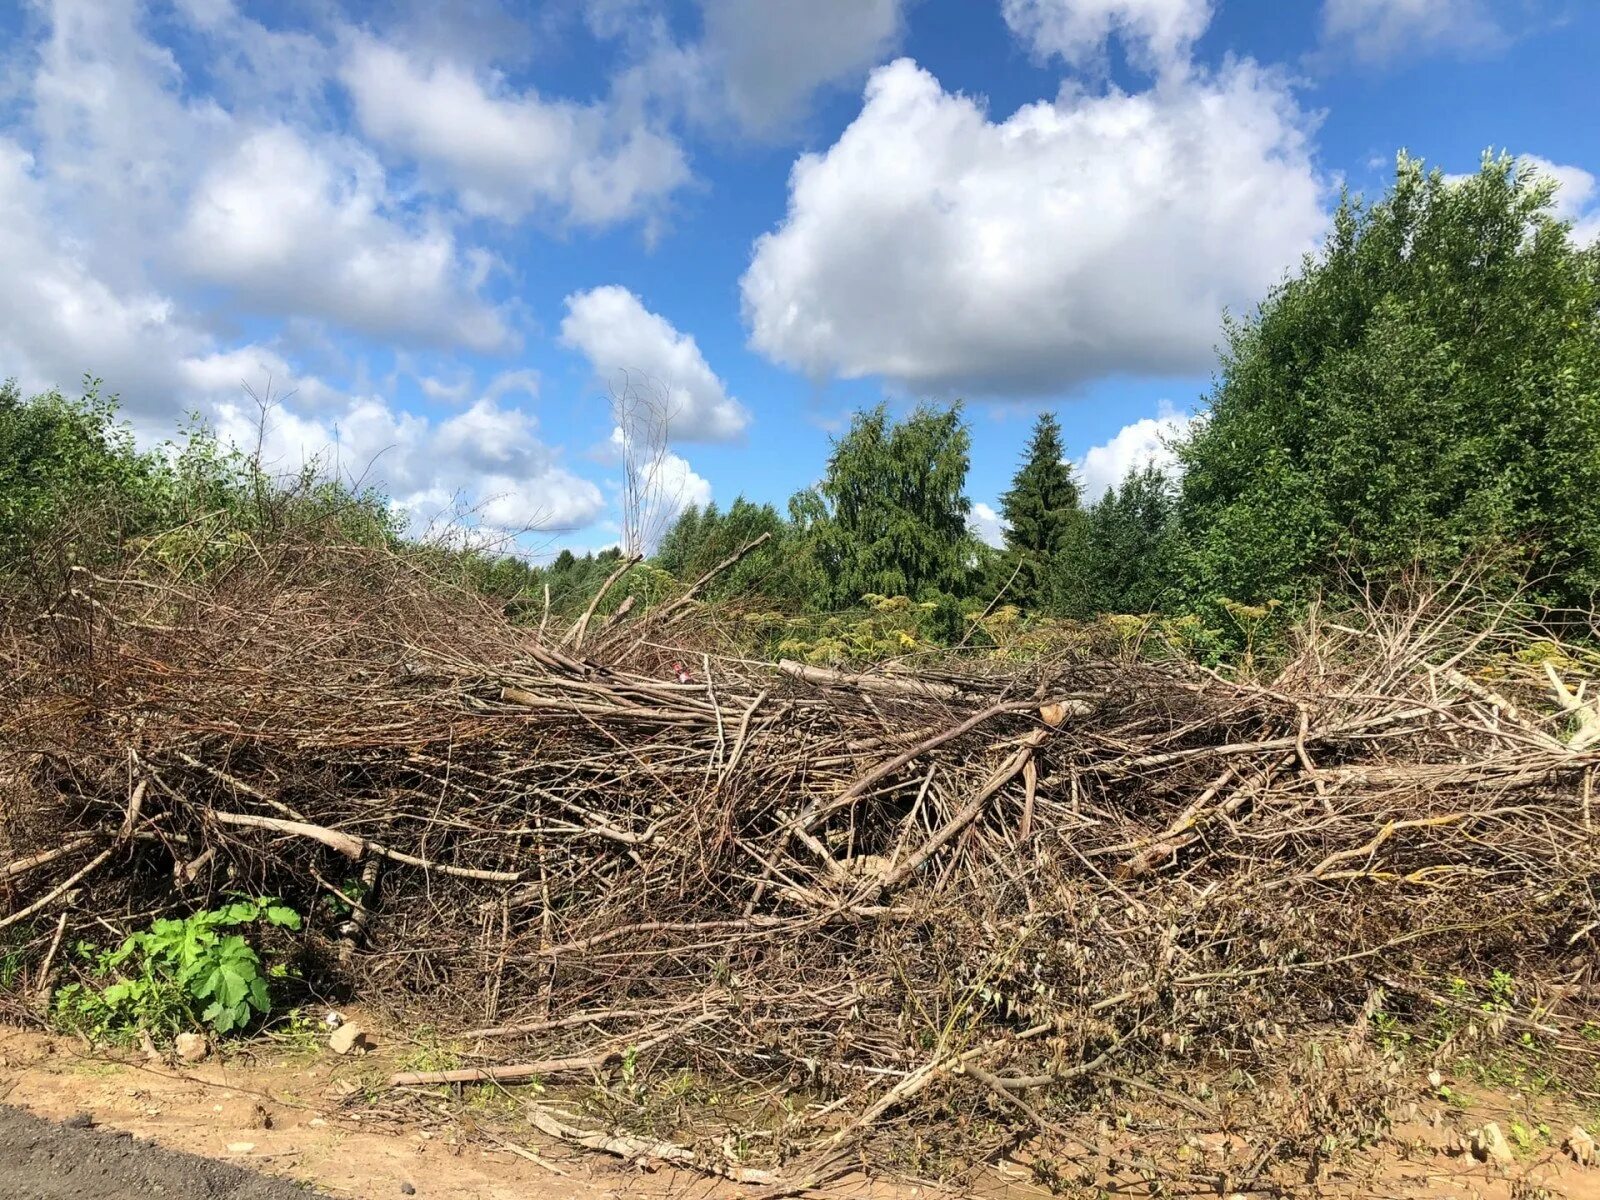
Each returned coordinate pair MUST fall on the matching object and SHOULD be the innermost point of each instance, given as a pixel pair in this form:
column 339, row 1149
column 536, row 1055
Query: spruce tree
column 1040, row 511
column 1119, row 562
column 890, row 516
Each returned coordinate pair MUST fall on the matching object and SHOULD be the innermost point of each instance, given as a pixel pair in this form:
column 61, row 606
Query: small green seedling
column 179, row 973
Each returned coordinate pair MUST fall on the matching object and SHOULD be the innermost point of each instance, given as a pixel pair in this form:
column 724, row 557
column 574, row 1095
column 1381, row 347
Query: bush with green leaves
column 179, row 974
column 76, row 488
column 1424, row 391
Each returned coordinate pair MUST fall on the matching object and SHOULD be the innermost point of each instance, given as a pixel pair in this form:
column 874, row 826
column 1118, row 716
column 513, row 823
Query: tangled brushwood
column 780, row 922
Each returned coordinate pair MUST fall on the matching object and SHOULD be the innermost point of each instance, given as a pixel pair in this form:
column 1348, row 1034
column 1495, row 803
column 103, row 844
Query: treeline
column 1423, row 391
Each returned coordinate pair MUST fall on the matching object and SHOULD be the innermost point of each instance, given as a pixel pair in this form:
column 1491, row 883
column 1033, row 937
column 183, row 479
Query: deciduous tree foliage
column 1427, row 387
column 73, row 485
column 890, row 516
column 1041, row 513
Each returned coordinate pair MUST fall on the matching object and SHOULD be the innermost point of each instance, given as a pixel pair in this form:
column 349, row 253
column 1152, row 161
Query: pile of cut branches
column 780, row 922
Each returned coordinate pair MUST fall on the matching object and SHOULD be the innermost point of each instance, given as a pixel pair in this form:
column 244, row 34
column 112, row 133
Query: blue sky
column 441, row 231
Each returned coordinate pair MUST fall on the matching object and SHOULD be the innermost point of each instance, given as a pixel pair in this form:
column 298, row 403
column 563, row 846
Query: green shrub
column 178, row 974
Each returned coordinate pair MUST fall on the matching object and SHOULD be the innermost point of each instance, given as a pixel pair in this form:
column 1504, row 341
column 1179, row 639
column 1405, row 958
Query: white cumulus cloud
column 1157, row 34
column 1577, row 196
column 61, row 318
column 294, row 230
column 486, row 463
column 1095, row 235
column 770, row 58
column 508, row 153
column 987, row 525
column 150, row 212
column 611, row 328
column 1146, row 442
column 1379, row 31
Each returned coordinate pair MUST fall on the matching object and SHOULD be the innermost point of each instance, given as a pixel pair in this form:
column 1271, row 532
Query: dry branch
column 858, row 886
column 883, row 685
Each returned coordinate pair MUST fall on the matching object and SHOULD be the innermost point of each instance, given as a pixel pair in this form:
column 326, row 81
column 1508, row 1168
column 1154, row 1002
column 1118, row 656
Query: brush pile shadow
column 906, row 920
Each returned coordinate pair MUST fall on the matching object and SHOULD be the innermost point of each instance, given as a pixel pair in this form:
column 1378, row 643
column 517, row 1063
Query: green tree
column 1427, row 387
column 890, row 516
column 1041, row 511
column 700, row 539
column 681, row 543
column 1118, row 559
column 63, row 458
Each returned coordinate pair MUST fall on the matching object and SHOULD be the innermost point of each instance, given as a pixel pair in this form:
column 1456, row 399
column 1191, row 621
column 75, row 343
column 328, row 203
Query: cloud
column 60, row 318
column 1096, row 235
column 119, row 141
column 485, row 464
column 616, row 333
column 1157, row 34
column 987, row 525
column 1379, row 31
column 1146, row 442
column 771, row 58
column 508, row 153
column 1577, row 196
column 252, row 64
column 292, row 229
column 149, row 215
column 288, row 219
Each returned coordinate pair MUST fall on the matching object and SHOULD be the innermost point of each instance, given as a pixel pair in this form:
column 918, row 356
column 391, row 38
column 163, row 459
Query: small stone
column 1489, row 1145
column 406, row 1188
column 1435, row 1080
column 316, row 1122
column 191, row 1047
column 350, row 1038
column 1455, row 1144
column 240, row 1147
column 1581, row 1147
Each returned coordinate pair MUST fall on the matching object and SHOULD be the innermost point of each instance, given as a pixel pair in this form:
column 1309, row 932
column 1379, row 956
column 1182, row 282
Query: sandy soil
column 279, row 1113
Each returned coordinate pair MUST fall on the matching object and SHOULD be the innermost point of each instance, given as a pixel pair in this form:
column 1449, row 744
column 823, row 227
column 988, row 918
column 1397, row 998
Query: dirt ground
column 279, row 1114
column 267, row 1123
